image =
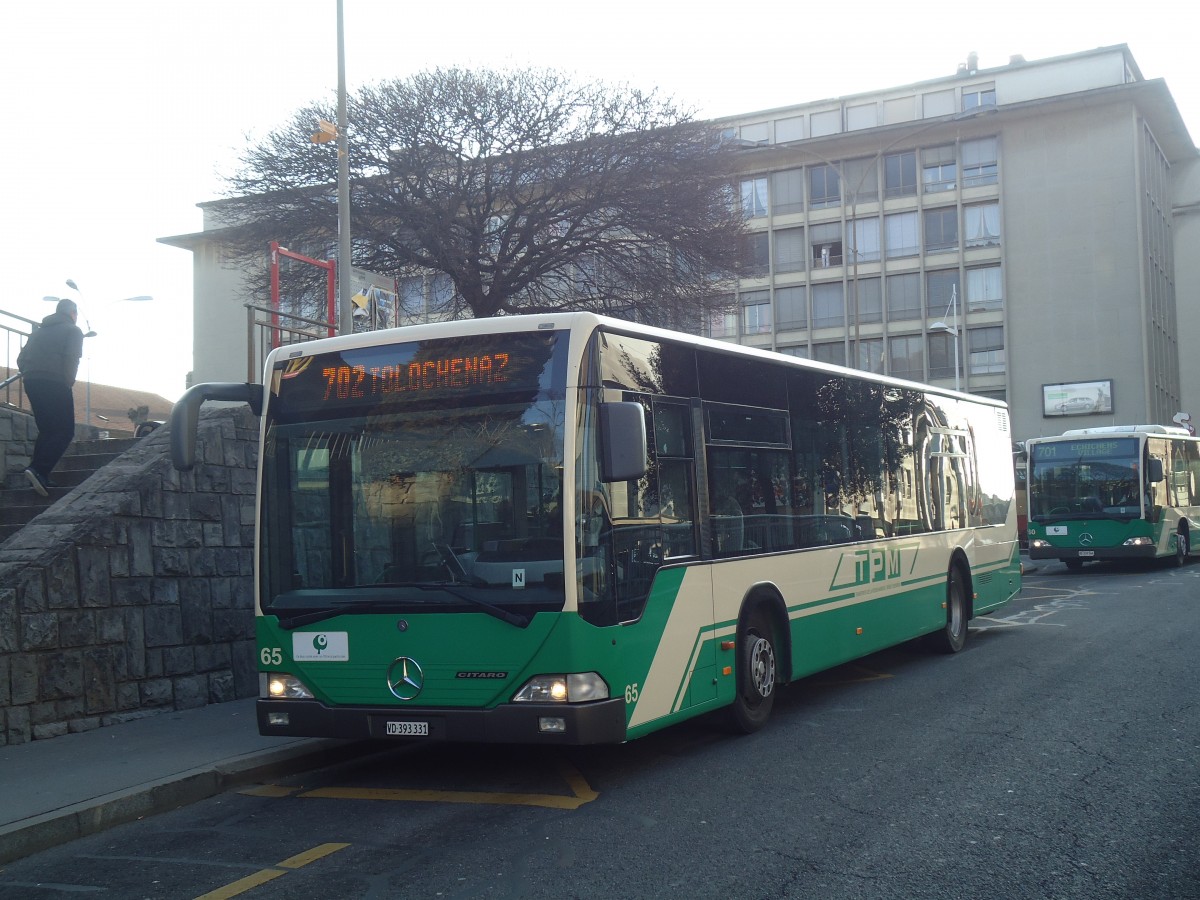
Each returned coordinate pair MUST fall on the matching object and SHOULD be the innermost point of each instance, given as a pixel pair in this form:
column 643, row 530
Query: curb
column 33, row 835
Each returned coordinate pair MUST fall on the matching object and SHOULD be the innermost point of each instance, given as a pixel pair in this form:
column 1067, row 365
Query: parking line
column 264, row 875
column 581, row 793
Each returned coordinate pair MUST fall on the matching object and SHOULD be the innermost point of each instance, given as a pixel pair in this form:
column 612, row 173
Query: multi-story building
column 1020, row 231
column 1012, row 231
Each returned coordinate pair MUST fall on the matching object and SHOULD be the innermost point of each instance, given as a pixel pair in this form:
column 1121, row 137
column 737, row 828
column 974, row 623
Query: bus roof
column 1128, row 429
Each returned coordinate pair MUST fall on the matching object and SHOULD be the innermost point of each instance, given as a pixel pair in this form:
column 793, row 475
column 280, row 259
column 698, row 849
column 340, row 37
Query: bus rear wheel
column 1181, row 548
column 953, row 636
column 756, row 675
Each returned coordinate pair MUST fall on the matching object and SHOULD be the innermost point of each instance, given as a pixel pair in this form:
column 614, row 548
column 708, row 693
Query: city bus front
column 1091, row 498
column 411, row 545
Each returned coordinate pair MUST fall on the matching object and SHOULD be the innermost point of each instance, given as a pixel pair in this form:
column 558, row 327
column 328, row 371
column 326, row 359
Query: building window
column 941, row 229
column 800, row 351
column 866, row 298
column 758, row 133
column 901, row 235
column 824, row 186
column 826, row 243
column 832, row 352
column 979, row 162
column 722, row 324
column 829, row 305
column 939, row 172
column 941, row 292
column 978, row 95
column 787, row 190
column 869, row 355
column 981, row 224
column 906, row 357
column 755, row 254
column 985, row 347
column 863, row 237
column 900, row 174
column 861, row 177
column 985, row 289
column 941, row 355
column 904, row 296
column 756, row 312
column 791, row 305
column 790, row 250
column 754, row 197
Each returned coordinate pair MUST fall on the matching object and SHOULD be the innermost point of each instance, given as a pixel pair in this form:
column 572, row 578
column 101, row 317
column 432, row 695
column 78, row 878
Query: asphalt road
column 1055, row 757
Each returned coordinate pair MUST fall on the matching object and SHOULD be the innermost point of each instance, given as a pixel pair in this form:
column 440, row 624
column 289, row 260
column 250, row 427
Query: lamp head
column 72, row 285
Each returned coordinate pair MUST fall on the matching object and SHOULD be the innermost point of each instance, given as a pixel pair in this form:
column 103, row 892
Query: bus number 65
column 631, row 693
column 272, row 656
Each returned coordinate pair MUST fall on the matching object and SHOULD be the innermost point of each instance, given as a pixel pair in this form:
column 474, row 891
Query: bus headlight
column 1038, row 543
column 282, row 686
column 1138, row 542
column 578, row 687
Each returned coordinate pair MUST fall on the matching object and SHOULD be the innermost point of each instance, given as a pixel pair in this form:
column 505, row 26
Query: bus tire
column 1181, row 547
column 757, row 675
column 953, row 636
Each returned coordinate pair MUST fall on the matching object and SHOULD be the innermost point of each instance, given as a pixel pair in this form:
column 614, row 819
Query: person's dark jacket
column 52, row 352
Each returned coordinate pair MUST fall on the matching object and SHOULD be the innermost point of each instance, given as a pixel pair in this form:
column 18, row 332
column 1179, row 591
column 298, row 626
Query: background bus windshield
column 1085, row 479
column 416, row 475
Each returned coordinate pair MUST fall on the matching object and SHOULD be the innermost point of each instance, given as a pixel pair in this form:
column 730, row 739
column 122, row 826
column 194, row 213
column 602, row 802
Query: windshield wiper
column 366, row 606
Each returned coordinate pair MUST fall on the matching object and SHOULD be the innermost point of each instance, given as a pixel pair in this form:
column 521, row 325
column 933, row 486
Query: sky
column 123, row 115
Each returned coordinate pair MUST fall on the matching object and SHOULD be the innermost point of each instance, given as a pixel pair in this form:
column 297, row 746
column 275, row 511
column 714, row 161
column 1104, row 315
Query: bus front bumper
column 1146, row 551
column 601, row 722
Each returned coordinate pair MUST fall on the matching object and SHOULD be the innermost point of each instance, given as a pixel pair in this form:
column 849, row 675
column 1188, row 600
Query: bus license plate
column 408, row 729
column 1081, row 553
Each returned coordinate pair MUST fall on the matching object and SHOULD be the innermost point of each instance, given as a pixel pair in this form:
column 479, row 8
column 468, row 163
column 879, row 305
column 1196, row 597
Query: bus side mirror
column 622, row 441
column 1156, row 470
column 186, row 412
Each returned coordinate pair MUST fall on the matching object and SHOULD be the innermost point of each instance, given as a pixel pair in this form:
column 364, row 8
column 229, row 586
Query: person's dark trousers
column 54, row 413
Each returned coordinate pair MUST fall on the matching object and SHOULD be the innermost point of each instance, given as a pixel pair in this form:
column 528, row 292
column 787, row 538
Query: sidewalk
column 59, row 789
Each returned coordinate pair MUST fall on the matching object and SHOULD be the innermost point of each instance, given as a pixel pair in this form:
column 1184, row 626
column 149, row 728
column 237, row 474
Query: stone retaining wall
column 133, row 594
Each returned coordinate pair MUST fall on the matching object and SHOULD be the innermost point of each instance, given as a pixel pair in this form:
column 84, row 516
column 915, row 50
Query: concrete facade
column 1035, row 221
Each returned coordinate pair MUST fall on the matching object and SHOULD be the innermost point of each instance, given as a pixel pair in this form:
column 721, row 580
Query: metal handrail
column 14, row 335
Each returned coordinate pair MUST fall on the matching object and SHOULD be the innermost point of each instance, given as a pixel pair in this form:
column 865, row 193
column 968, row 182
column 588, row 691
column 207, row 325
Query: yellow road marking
column 581, row 793
column 281, row 868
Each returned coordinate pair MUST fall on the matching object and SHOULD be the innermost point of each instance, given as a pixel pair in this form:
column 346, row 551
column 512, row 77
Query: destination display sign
column 1072, row 451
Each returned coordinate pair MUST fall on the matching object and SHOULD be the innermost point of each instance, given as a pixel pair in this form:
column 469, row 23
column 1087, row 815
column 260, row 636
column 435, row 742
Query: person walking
column 48, row 363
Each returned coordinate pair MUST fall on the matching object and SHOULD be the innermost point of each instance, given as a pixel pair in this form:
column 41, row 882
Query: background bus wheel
column 953, row 636
column 756, row 676
column 1181, row 548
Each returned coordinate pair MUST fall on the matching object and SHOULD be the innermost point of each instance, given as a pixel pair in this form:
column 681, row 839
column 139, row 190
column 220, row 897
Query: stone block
column 129, row 695
column 184, row 533
column 233, row 625
column 172, row 561
column 132, row 591
column 211, row 657
column 60, row 675
column 18, row 728
column 99, row 680
column 163, row 626
column 156, row 692
column 31, row 589
column 140, row 537
column 221, row 688
column 77, row 628
column 191, row 691
column 39, row 632
column 89, row 723
column 178, row 661
column 95, row 576
column 50, row 730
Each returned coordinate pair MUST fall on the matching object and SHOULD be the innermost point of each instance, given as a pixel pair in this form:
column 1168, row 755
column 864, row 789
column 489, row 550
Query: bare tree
column 529, row 191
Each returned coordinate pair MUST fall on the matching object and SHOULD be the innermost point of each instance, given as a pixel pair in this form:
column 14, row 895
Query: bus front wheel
column 953, row 636
column 756, row 675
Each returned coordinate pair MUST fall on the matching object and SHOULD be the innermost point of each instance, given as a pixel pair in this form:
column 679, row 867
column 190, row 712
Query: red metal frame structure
column 330, row 268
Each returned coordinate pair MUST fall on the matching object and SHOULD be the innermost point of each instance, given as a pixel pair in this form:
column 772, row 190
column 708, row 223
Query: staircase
column 20, row 503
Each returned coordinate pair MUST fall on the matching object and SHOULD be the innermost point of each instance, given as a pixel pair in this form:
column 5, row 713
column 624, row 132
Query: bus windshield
column 420, row 476
column 1085, row 479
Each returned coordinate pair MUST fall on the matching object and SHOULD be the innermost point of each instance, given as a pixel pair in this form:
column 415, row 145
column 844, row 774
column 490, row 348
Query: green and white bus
column 571, row 529
column 1120, row 492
